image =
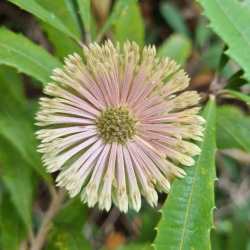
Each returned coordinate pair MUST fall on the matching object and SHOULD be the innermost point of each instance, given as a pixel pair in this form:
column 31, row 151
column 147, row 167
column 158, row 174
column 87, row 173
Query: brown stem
column 55, row 204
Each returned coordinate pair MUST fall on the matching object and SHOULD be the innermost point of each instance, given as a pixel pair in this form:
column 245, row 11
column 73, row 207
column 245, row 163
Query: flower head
column 116, row 126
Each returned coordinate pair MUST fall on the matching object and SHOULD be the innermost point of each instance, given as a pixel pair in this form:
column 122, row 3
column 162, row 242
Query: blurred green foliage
column 213, row 47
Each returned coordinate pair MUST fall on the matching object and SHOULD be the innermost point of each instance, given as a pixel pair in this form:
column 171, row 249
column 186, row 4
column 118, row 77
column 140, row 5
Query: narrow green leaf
column 235, row 94
column 177, row 47
column 202, row 33
column 85, row 12
column 12, row 231
column 187, row 214
column 174, row 18
column 17, row 177
column 63, row 10
column 120, row 7
column 16, row 124
column 88, row 19
column 45, row 15
column 227, row 19
column 130, row 25
column 19, row 52
column 62, row 44
column 233, row 128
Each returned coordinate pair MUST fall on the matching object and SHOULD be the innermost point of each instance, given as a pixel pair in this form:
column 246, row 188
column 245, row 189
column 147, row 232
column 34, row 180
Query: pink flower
column 117, row 126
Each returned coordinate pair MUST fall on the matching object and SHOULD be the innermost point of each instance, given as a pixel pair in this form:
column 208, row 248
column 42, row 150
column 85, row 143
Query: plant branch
column 55, row 205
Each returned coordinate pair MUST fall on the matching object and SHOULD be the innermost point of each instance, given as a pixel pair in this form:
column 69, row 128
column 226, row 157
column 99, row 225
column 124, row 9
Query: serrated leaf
column 174, row 18
column 16, row 124
column 46, row 15
column 19, row 52
column 11, row 227
column 17, row 177
column 228, row 19
column 233, row 128
column 187, row 214
column 235, row 94
column 130, row 25
column 177, row 47
column 119, row 7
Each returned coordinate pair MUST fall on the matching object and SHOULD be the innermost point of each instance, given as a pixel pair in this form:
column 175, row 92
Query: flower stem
column 54, row 207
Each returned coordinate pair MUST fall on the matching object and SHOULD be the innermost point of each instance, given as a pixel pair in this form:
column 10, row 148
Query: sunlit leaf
column 19, row 52
column 187, row 214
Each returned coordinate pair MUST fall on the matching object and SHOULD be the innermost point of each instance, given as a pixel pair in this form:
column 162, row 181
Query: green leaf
column 10, row 77
column 211, row 57
column 11, row 227
column 85, row 12
column 202, row 33
column 64, row 10
column 17, row 177
column 67, row 231
column 174, row 18
column 187, row 214
column 16, row 124
column 177, row 47
column 63, row 239
column 233, row 128
column 47, row 15
column 227, row 19
column 130, row 25
column 235, row 94
column 19, row 52
column 72, row 215
column 134, row 246
column 62, row 44
column 120, row 7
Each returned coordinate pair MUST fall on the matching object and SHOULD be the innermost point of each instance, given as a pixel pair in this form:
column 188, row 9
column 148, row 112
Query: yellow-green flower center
column 116, row 124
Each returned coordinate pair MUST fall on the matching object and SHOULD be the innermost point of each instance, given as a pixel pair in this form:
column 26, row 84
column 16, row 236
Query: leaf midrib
column 192, row 190
column 25, row 55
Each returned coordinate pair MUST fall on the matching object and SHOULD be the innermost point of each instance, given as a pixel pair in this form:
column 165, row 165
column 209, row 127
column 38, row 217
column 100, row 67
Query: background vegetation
column 211, row 39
